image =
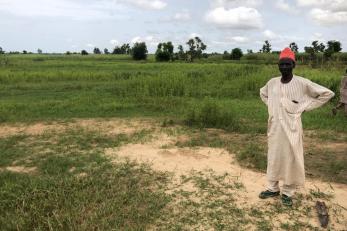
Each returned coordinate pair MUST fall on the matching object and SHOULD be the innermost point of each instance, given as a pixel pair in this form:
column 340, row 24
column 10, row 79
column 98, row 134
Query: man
column 287, row 97
column 343, row 96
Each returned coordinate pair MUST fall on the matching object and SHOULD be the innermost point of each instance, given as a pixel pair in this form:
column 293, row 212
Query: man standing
column 343, row 96
column 287, row 97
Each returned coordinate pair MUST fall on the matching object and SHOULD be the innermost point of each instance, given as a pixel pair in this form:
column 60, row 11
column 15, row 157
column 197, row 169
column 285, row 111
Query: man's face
column 286, row 66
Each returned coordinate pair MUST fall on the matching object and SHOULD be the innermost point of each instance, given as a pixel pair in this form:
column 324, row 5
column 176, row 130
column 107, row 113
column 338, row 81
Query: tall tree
column 39, row 51
column 139, row 51
column 125, row 48
column 2, row 51
column 96, row 51
column 321, row 47
column 117, row 50
column 164, row 52
column 315, row 46
column 195, row 48
column 106, row 52
column 84, row 52
column 334, row 46
column 266, row 47
column 181, row 55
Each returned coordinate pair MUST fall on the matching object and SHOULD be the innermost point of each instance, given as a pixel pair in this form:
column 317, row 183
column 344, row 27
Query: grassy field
column 35, row 88
column 67, row 183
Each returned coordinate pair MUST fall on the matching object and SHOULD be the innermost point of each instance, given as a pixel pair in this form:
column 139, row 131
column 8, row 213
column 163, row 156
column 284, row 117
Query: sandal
column 286, row 200
column 267, row 194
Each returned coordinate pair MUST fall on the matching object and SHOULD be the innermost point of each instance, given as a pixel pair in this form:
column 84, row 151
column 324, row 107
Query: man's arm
column 318, row 94
column 264, row 94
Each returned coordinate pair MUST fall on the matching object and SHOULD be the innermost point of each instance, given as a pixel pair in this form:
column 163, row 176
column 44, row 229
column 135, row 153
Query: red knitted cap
column 287, row 53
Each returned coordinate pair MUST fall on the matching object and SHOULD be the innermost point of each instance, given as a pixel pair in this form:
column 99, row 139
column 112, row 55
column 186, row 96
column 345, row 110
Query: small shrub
column 212, row 115
column 236, row 54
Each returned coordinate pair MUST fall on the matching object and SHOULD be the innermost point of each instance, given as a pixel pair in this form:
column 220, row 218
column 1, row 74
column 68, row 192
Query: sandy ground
column 162, row 154
column 182, row 160
column 109, row 126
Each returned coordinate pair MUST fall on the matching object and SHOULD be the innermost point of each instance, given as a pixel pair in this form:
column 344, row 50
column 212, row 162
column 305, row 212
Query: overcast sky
column 73, row 25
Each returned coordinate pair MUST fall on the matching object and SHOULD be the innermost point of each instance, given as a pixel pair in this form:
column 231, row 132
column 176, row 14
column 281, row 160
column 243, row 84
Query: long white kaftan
column 285, row 135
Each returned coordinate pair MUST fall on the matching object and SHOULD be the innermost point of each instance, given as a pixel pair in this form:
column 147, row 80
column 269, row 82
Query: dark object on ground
column 286, row 200
column 267, row 194
column 323, row 215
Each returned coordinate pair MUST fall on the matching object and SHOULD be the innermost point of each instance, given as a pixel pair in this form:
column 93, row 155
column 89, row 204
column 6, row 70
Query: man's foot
column 286, row 200
column 267, row 194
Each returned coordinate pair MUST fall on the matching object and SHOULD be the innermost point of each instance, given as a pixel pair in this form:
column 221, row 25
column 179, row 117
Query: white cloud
column 270, row 34
column 317, row 36
column 280, row 39
column 235, row 18
column 90, row 45
column 114, row 42
column 77, row 10
column 149, row 40
column 148, row 4
column 136, row 39
column 182, row 16
column 232, row 41
column 331, row 5
column 284, row 6
column 193, row 35
column 326, row 12
column 327, row 18
column 235, row 3
column 239, row 39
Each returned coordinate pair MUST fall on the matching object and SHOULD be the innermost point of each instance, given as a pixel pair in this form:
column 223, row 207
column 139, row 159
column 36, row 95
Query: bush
column 266, row 58
column 211, row 115
column 236, row 54
column 139, row 51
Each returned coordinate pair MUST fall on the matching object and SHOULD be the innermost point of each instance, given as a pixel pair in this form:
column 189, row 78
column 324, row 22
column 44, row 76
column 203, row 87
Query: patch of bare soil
column 20, row 169
column 111, row 126
column 163, row 155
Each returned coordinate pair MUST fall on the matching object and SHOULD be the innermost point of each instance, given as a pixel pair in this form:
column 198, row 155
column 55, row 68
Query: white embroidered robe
column 285, row 134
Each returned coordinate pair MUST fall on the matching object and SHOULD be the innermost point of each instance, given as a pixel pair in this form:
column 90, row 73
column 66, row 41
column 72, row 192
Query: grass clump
column 253, row 155
column 212, row 115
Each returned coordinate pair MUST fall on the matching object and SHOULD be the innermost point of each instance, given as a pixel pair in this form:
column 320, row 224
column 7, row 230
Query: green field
column 129, row 196
column 35, row 88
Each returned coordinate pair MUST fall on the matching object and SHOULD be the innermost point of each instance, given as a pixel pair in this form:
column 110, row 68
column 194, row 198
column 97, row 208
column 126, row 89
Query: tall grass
column 41, row 87
column 209, row 114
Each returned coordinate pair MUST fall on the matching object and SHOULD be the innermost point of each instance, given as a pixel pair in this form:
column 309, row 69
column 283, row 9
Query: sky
column 74, row 25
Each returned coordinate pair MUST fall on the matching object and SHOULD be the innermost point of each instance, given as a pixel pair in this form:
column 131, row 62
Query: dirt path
column 110, row 126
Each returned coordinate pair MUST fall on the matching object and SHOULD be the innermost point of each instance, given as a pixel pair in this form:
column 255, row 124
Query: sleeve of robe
column 264, row 94
column 318, row 95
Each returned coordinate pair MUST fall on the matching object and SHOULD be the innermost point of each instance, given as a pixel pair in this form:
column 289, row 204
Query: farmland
column 66, row 121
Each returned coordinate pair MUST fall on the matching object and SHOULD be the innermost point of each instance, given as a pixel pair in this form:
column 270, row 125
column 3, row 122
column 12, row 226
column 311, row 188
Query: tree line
column 196, row 47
